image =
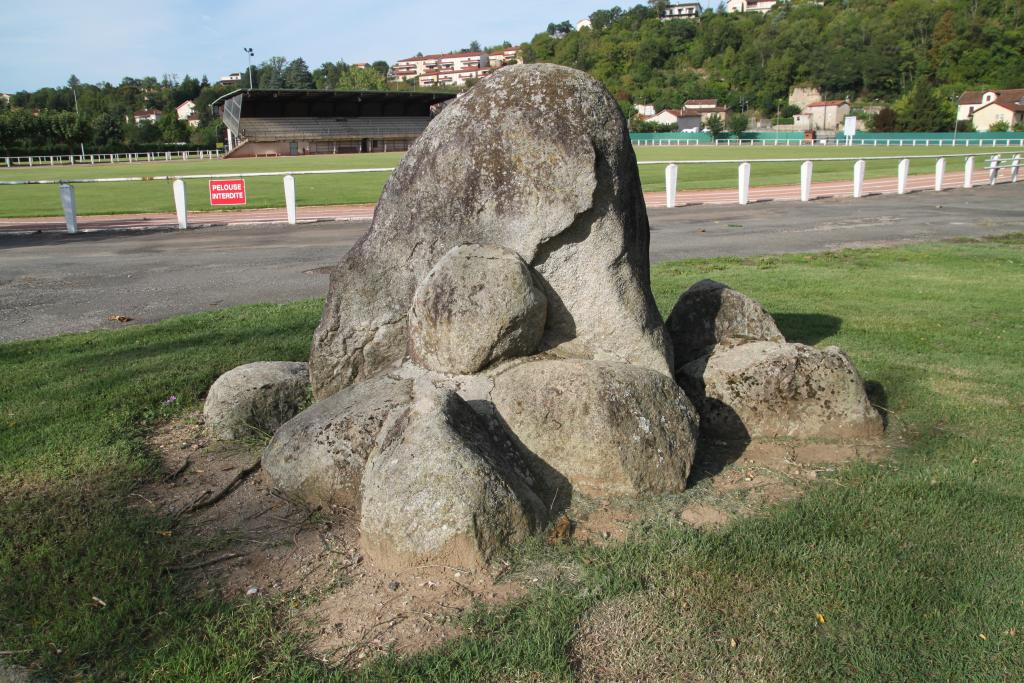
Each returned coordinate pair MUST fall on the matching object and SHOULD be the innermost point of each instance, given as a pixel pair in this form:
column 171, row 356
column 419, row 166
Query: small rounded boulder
column 479, row 304
column 255, row 398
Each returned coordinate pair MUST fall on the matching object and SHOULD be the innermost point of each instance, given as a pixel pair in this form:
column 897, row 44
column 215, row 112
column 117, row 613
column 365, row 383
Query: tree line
column 99, row 116
column 874, row 52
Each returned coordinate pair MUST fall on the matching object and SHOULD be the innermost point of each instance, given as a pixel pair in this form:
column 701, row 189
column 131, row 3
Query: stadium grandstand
column 299, row 122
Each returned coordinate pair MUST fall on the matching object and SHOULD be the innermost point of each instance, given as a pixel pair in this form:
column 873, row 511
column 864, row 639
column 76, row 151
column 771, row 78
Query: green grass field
column 915, row 562
column 155, row 196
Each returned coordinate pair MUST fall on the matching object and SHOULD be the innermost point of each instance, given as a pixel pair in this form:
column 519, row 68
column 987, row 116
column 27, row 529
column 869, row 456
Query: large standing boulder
column 319, row 455
column 255, row 398
column 768, row 389
column 479, row 304
column 536, row 159
column 601, row 428
column 711, row 313
column 439, row 491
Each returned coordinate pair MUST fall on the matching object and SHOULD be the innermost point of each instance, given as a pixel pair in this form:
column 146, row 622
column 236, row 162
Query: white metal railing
column 68, row 203
column 994, row 164
column 122, row 157
column 829, row 142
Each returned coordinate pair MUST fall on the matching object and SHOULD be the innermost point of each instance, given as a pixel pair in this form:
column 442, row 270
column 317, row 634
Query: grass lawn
column 155, row 196
column 915, row 564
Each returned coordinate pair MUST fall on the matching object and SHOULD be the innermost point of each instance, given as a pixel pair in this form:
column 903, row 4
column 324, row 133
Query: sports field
column 365, row 188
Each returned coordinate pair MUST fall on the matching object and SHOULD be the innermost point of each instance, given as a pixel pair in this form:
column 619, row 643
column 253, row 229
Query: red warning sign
column 227, row 192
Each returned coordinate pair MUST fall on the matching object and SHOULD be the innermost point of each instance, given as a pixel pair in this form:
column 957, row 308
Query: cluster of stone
column 491, row 347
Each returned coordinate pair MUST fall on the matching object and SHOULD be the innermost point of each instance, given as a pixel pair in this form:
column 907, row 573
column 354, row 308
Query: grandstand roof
column 348, row 103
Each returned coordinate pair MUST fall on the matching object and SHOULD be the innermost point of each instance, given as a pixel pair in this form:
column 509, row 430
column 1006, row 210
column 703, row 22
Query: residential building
column 583, row 23
column 415, row 67
column 701, row 104
column 6, row 97
column 988, row 107
column 455, row 78
column 750, row 5
column 644, row 109
column 193, row 120
column 689, row 119
column 681, row 10
column 361, row 65
column 151, row 115
column 231, row 79
column 825, row 115
column 185, row 110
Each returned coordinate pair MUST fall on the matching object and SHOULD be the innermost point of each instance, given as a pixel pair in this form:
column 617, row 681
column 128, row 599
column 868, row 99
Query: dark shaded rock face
column 711, row 313
column 535, row 159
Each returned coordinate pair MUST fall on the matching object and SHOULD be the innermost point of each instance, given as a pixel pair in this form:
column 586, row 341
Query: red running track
column 347, row 212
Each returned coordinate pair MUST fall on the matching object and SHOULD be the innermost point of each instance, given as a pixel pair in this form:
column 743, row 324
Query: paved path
column 365, row 211
column 54, row 282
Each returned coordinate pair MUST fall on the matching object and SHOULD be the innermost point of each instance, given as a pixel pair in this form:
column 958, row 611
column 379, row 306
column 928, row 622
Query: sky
column 43, row 42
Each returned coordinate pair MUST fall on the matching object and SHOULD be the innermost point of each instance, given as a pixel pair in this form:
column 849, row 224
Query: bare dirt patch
column 255, row 544
column 246, row 541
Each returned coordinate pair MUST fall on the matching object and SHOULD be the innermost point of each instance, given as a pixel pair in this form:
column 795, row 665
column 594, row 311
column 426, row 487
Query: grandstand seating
column 330, row 129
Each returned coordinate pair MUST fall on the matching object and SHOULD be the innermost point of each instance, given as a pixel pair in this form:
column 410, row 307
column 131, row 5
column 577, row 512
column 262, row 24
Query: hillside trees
column 872, row 49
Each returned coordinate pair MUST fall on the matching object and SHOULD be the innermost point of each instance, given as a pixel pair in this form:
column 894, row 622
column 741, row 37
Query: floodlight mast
column 956, row 117
column 249, row 52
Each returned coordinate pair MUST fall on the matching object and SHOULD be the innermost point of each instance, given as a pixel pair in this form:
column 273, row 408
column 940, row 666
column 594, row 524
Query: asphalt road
column 56, row 283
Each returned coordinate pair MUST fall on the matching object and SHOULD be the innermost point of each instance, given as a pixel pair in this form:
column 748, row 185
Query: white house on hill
column 681, row 10
column 185, row 110
column 151, row 115
column 826, row 115
column 750, row 5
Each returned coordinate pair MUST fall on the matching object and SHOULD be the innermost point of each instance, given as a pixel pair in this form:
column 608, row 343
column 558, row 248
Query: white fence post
column 289, row 198
column 858, row 178
column 901, row 179
column 180, row 205
column 1015, row 168
column 744, row 183
column 671, row 183
column 67, row 201
column 940, row 173
column 969, row 173
column 993, row 169
column 806, row 169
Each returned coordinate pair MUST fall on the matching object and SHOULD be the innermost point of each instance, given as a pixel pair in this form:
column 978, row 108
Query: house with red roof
column 985, row 108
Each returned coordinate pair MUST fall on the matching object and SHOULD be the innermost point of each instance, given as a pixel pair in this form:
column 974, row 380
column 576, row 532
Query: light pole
column 956, row 116
column 249, row 52
column 78, row 116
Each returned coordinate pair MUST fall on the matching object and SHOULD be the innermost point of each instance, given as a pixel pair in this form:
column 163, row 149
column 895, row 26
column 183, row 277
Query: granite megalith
column 769, row 389
column 319, row 455
column 438, row 489
column 602, row 428
column 535, row 159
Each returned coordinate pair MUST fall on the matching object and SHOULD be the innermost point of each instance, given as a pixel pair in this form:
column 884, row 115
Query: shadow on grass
column 807, row 328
